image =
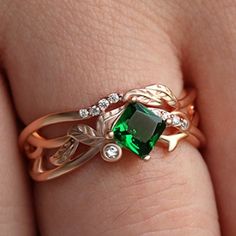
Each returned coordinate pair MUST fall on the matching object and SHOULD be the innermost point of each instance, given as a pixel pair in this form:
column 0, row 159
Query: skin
column 65, row 55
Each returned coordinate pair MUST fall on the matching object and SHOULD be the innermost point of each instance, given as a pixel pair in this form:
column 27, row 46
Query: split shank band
column 138, row 121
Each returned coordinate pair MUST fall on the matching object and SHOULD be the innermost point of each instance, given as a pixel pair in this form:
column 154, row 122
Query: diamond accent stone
column 83, row 113
column 184, row 124
column 165, row 115
column 103, row 104
column 111, row 151
column 113, row 98
column 94, row 111
column 176, row 120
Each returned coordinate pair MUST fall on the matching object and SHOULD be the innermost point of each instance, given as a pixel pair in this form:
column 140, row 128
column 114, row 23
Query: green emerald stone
column 138, row 129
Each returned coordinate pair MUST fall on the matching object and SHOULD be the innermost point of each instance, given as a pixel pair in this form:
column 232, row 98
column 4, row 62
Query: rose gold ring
column 137, row 121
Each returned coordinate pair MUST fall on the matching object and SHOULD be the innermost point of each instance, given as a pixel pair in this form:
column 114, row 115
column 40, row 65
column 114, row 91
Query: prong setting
column 147, row 158
column 110, row 135
column 134, row 99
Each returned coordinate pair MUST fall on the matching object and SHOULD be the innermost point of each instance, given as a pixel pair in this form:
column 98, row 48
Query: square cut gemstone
column 138, row 129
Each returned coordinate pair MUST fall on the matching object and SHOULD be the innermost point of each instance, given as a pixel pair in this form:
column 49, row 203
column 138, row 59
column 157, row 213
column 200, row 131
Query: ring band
column 135, row 121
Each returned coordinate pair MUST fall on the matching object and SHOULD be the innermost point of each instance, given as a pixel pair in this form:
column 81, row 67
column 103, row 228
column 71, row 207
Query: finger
column 172, row 196
column 216, row 82
column 16, row 216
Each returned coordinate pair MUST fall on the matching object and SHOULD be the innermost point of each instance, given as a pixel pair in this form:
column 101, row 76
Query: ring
column 136, row 121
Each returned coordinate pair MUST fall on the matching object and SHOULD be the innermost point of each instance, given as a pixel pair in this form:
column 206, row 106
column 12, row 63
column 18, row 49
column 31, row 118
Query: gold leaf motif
column 153, row 95
column 86, row 135
column 64, row 153
column 106, row 120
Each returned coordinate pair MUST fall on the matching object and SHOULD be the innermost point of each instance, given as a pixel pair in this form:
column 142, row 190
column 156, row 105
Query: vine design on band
column 53, row 157
column 154, row 96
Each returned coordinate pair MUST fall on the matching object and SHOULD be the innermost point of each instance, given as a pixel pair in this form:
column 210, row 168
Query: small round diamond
column 184, row 124
column 176, row 120
column 94, row 111
column 158, row 113
column 83, row 113
column 165, row 115
column 111, row 152
column 113, row 98
column 103, row 104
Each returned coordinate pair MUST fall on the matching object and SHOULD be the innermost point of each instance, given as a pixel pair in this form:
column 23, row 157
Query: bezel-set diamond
column 111, row 152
